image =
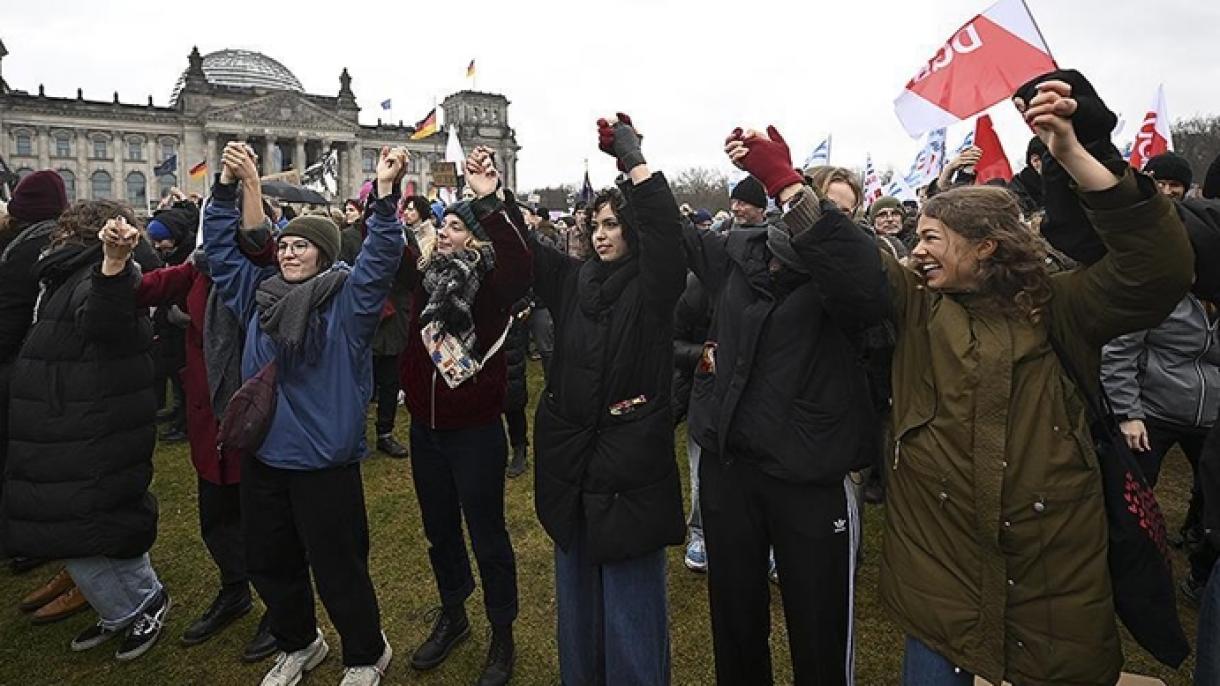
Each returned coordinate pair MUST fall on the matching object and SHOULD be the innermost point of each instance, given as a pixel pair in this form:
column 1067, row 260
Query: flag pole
column 1040, row 34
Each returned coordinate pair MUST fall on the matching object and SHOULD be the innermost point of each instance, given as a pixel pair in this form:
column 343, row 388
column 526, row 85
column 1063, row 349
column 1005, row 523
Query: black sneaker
column 226, row 608
column 263, row 645
column 93, row 637
column 390, row 446
column 447, row 632
column 499, row 666
column 144, row 633
column 173, row 435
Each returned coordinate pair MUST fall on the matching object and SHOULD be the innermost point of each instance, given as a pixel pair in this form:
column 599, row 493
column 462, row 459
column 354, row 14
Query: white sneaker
column 290, row 668
column 369, row 675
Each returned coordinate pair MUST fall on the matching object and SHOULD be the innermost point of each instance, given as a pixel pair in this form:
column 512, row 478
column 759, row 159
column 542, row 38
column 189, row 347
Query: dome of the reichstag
column 245, row 68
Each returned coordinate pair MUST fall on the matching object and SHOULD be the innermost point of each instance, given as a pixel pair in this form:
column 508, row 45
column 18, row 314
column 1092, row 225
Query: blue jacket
column 320, row 411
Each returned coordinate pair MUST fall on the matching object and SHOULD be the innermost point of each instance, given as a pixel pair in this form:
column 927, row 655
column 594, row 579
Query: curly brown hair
column 79, row 224
column 1014, row 276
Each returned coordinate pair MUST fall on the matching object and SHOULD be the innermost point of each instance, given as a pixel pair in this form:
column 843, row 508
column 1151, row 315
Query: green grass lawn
column 40, row 655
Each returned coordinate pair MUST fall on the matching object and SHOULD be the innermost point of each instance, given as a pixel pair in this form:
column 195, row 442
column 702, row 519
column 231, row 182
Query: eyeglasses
column 294, row 248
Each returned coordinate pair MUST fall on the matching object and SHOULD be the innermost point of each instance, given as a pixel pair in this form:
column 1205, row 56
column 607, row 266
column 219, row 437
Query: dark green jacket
column 995, row 538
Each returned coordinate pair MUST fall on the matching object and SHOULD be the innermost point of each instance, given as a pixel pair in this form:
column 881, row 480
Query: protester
column 309, row 331
column 541, row 324
column 1027, row 184
column 351, row 230
column 1164, row 386
column 838, row 185
column 692, row 320
column 958, row 171
column 417, row 216
column 780, row 428
column 886, row 217
column 577, row 242
column 465, row 279
column 82, row 430
column 211, row 374
column 994, row 556
column 1172, row 173
column 172, row 232
column 606, row 485
column 517, row 397
column 748, row 205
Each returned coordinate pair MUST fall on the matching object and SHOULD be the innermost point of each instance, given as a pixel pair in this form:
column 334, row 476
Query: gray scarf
column 452, row 282
column 290, row 313
column 779, row 242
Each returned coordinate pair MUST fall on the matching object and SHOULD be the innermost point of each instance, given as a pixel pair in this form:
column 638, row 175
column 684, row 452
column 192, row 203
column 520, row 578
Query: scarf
column 599, row 284
column 222, row 343
column 290, row 313
column 779, row 242
column 452, row 282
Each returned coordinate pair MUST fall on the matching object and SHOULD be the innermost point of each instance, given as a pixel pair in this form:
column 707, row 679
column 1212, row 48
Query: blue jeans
column 1207, row 651
column 693, row 452
column 613, row 619
column 921, row 666
column 118, row 590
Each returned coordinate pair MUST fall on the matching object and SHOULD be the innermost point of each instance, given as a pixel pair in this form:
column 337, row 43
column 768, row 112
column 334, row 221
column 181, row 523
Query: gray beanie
column 318, row 230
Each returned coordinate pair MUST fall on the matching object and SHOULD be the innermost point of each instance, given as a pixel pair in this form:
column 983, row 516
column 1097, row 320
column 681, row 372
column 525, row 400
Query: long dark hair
column 79, row 224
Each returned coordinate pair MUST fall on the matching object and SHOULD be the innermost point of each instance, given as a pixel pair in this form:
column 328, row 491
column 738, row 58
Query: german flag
column 199, row 171
column 425, row 127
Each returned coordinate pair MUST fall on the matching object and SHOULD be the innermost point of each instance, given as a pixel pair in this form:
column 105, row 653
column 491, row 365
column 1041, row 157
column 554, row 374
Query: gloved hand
column 1092, row 120
column 767, row 158
column 620, row 141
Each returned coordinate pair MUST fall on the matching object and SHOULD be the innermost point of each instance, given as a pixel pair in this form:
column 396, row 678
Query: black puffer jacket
column 82, row 418
column 516, row 348
column 692, row 319
column 789, row 390
column 603, row 434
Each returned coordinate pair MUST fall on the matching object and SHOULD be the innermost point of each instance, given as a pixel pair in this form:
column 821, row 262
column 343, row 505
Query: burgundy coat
column 187, row 287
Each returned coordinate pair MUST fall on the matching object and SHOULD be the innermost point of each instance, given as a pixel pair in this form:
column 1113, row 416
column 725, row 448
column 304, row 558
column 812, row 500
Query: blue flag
column 929, row 162
column 385, row 104
column 586, row 190
column 169, row 166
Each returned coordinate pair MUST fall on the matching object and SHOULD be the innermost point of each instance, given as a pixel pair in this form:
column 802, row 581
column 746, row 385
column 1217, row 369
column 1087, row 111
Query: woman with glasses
column 309, row 328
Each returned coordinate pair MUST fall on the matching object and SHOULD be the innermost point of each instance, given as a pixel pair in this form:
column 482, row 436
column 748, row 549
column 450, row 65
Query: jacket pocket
column 626, row 524
column 631, row 450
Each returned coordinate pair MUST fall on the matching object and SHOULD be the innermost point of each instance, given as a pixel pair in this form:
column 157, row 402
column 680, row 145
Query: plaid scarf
column 452, row 282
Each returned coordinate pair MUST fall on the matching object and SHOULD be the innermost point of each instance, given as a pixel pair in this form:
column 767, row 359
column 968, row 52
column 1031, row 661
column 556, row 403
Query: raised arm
column 166, row 286
column 363, row 296
column 109, row 313
column 513, row 274
column 234, row 276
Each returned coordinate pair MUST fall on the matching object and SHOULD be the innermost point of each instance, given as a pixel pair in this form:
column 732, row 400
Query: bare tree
column 1198, row 140
column 702, row 187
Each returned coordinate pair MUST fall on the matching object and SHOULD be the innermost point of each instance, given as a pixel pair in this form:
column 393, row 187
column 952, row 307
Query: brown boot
column 49, row 591
column 66, row 605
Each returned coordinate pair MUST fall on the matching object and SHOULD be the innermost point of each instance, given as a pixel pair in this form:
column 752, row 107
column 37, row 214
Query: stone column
column 44, row 147
column 213, row 158
column 355, row 167
column 269, row 149
column 118, row 152
column 298, row 155
column 83, row 187
column 322, row 153
column 342, row 182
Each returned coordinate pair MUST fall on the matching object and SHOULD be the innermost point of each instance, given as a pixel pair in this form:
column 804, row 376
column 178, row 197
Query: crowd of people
column 821, row 352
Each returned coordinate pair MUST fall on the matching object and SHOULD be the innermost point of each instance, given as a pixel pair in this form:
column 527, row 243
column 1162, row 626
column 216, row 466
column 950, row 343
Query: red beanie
column 39, row 196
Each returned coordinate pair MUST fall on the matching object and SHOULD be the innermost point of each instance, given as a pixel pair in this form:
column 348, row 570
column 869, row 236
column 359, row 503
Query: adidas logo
column 840, row 526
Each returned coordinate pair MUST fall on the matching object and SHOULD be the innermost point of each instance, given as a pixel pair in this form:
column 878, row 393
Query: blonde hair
column 820, row 177
column 427, row 243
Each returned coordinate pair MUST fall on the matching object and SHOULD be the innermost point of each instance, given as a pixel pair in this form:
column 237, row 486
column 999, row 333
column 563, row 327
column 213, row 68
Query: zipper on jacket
column 433, row 403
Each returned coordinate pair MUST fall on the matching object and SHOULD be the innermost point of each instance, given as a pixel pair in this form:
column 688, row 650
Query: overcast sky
column 686, row 71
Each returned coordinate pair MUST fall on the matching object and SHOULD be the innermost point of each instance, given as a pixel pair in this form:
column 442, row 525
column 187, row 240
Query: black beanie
column 465, row 211
column 750, row 190
column 1035, row 147
column 316, row 229
column 1170, row 166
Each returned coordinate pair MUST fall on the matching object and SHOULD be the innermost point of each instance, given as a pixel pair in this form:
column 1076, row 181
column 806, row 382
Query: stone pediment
column 282, row 110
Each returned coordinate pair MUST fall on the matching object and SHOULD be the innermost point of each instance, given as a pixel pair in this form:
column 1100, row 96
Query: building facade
column 114, row 149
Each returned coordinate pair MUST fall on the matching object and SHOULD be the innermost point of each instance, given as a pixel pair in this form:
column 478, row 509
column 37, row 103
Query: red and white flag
column 873, row 189
column 981, row 64
column 994, row 163
column 1153, row 137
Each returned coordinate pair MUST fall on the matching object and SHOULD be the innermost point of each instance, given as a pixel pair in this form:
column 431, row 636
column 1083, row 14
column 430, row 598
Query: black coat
column 516, row 351
column 1027, row 186
column 82, row 418
column 789, row 390
column 603, row 434
column 692, row 319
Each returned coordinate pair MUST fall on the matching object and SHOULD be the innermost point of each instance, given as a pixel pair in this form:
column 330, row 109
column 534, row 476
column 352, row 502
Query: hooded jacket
column 995, row 542
column 1170, row 372
column 82, row 409
column 603, row 434
column 320, row 407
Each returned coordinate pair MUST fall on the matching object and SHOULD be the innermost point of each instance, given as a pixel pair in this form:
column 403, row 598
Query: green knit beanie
column 885, row 202
column 318, row 230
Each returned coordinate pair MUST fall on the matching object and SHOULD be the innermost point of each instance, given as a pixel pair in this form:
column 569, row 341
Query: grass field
column 32, row 655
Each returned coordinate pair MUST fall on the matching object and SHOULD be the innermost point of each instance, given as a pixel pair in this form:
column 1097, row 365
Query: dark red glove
column 769, row 161
column 620, row 141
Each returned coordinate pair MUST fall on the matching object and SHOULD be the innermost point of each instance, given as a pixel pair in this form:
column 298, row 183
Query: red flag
column 983, row 63
column 994, row 163
column 1153, row 137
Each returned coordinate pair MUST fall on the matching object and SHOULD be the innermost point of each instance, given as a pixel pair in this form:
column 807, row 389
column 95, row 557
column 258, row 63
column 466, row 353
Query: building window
column 164, row 183
column 69, row 183
column 25, row 143
column 63, row 145
column 101, row 186
column 137, row 192
column 369, row 160
column 135, row 149
column 168, row 148
column 101, row 149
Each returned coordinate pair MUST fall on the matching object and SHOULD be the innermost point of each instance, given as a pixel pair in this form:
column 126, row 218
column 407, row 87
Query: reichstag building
column 112, row 149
